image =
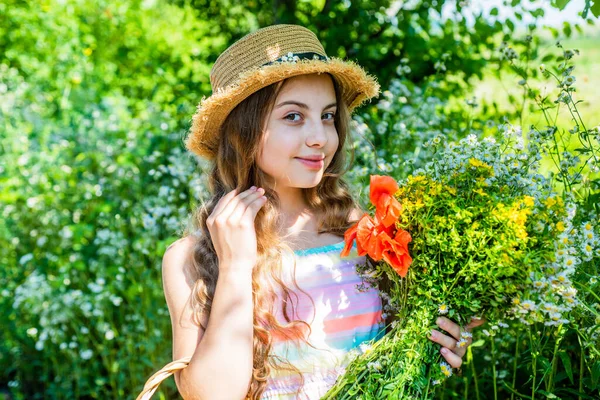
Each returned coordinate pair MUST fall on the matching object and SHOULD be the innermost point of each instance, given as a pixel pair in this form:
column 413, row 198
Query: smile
column 312, row 164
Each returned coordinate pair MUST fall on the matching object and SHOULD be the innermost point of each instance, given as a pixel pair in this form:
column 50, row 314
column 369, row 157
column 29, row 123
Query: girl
column 261, row 303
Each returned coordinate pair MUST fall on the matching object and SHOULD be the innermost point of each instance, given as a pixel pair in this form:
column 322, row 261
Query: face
column 300, row 125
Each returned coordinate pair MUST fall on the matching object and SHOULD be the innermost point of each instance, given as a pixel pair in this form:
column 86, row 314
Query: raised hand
column 232, row 231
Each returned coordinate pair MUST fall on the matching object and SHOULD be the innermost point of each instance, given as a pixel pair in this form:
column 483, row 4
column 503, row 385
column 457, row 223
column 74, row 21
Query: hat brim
column 203, row 139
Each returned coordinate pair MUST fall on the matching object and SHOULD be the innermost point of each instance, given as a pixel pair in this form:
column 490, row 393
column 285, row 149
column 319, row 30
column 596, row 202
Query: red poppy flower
column 379, row 237
column 387, row 208
column 396, row 252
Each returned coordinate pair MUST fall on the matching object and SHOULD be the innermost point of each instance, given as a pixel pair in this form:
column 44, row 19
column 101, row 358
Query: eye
column 332, row 115
column 291, row 114
column 298, row 120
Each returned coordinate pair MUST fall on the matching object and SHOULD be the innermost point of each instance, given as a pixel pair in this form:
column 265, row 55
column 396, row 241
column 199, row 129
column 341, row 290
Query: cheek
column 276, row 154
column 283, row 144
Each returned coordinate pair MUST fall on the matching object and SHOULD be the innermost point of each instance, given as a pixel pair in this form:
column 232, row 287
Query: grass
column 491, row 89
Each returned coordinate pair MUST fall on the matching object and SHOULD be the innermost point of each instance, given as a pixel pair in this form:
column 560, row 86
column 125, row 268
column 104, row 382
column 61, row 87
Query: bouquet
column 464, row 238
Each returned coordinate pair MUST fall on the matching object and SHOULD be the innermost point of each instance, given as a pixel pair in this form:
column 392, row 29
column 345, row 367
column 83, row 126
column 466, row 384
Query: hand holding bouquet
column 459, row 239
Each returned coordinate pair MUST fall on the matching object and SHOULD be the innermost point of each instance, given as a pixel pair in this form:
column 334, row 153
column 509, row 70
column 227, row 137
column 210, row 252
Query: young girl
column 261, row 303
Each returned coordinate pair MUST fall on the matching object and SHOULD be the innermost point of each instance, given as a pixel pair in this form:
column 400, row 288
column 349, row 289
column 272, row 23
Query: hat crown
column 261, row 47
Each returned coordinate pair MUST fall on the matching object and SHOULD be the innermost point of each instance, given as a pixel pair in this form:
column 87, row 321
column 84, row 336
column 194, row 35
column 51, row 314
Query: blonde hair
column 235, row 167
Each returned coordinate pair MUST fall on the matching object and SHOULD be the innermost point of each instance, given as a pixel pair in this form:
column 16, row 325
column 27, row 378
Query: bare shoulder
column 184, row 243
column 176, row 263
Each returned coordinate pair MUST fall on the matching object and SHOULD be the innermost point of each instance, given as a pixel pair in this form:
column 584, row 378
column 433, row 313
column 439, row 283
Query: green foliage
column 95, row 187
column 378, row 33
column 95, row 98
column 482, row 228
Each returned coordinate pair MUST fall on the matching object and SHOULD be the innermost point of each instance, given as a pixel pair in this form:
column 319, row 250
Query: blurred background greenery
column 96, row 97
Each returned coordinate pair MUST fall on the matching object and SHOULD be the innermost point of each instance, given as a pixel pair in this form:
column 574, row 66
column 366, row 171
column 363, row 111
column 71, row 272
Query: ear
column 355, row 214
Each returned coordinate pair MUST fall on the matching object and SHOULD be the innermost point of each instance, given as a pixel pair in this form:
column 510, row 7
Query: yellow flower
column 560, row 226
column 87, row 52
column 480, row 192
column 478, row 163
column 550, row 201
column 528, row 200
column 416, row 179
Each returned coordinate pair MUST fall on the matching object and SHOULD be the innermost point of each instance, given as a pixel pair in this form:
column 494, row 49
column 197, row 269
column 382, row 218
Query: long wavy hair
column 235, row 167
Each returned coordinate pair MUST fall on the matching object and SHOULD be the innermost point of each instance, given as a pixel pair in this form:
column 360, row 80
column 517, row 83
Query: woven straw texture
column 166, row 371
column 154, row 381
column 240, row 71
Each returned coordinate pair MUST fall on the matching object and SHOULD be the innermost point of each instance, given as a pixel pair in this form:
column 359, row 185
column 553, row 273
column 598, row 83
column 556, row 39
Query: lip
column 312, row 164
column 313, row 158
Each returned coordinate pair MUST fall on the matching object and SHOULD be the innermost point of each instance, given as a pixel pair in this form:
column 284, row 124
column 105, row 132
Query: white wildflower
column 446, row 369
column 569, row 80
column 86, row 354
column 527, row 306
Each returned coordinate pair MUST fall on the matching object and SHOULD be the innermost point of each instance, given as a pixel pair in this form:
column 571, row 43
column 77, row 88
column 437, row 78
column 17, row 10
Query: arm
column 222, row 356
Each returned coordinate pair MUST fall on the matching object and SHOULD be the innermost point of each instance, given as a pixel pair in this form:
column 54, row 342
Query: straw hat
column 259, row 59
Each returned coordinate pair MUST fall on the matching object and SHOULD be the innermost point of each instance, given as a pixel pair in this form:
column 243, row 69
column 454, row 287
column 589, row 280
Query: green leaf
column 478, row 343
column 538, row 12
column 582, row 150
column 510, row 24
column 595, row 370
column 567, row 363
column 567, row 29
column 595, row 8
column 560, row 4
column 494, row 11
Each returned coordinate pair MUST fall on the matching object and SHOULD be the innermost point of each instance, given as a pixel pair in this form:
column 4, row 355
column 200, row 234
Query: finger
column 238, row 213
column 444, row 340
column 253, row 208
column 475, row 322
column 449, row 326
column 223, row 201
column 230, row 208
column 453, row 359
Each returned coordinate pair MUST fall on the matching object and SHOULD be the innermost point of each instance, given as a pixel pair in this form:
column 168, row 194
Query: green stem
column 426, row 393
column 581, row 366
column 554, row 359
column 534, row 362
column 514, row 380
column 494, row 369
column 466, row 385
column 474, row 372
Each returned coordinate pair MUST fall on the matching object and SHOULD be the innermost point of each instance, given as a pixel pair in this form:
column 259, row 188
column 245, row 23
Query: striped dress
column 341, row 319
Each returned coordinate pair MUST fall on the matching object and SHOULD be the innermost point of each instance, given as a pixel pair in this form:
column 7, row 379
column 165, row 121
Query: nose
column 317, row 133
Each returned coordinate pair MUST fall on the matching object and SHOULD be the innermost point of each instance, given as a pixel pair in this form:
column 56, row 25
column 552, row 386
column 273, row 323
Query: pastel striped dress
column 342, row 318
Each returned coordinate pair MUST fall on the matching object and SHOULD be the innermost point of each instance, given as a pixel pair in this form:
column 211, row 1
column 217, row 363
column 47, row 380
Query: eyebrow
column 302, row 105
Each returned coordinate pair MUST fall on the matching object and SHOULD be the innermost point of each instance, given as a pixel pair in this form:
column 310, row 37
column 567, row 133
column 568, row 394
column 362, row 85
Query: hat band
column 293, row 57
